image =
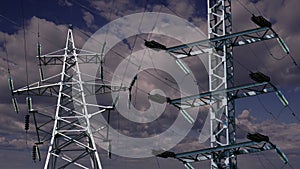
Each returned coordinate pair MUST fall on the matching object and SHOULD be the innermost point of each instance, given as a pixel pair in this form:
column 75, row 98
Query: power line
column 270, row 53
column 244, row 6
column 136, row 36
column 261, row 163
column 121, row 56
column 14, row 23
column 25, row 44
column 265, row 108
column 6, row 53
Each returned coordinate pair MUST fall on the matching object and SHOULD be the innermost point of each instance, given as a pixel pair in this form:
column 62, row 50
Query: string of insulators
column 27, row 122
column 39, row 51
column 115, row 102
column 109, row 149
column 282, row 98
column 283, row 45
column 11, row 84
column 130, row 88
column 29, row 103
column 36, row 155
column 14, row 100
column 15, row 104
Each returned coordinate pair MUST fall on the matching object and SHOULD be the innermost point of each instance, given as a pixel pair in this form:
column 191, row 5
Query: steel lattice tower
column 222, row 92
column 72, row 141
column 221, row 76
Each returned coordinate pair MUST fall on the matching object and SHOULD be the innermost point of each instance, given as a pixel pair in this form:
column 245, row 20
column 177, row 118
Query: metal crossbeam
column 237, row 92
column 222, row 151
column 234, row 39
column 44, row 89
column 57, row 57
column 234, row 149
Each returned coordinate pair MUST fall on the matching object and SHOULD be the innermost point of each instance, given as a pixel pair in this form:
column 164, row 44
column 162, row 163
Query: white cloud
column 285, row 135
column 89, row 19
column 64, row 3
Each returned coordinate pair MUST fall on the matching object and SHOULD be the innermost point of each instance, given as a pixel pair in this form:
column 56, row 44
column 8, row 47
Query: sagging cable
column 109, row 149
column 40, row 62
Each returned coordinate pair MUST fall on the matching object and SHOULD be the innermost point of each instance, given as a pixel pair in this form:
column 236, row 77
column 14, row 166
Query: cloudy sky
column 21, row 20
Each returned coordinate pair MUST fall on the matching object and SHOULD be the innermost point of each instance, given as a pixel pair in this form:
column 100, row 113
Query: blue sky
column 51, row 18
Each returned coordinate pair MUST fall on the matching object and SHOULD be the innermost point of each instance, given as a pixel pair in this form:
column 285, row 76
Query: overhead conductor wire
column 288, row 106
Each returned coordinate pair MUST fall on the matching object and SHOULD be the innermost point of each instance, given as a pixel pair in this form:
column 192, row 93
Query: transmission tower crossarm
column 57, row 58
column 45, row 88
column 234, row 39
column 202, row 99
column 233, row 149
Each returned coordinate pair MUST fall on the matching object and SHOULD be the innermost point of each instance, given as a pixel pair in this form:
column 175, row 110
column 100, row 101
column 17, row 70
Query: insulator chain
column 27, row 122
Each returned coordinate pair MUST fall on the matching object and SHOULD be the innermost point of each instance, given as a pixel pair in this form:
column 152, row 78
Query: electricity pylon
column 222, row 91
column 72, row 137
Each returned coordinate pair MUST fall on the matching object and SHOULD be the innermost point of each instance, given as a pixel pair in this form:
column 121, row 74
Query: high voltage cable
column 270, row 53
column 6, row 53
column 14, row 23
column 265, row 108
column 32, row 32
column 244, row 6
column 134, row 42
column 25, row 45
column 120, row 55
column 261, row 163
column 129, row 60
column 136, row 36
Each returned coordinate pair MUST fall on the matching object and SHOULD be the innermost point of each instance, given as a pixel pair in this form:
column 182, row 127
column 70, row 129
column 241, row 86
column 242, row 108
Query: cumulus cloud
column 89, row 19
column 286, row 135
column 52, row 38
